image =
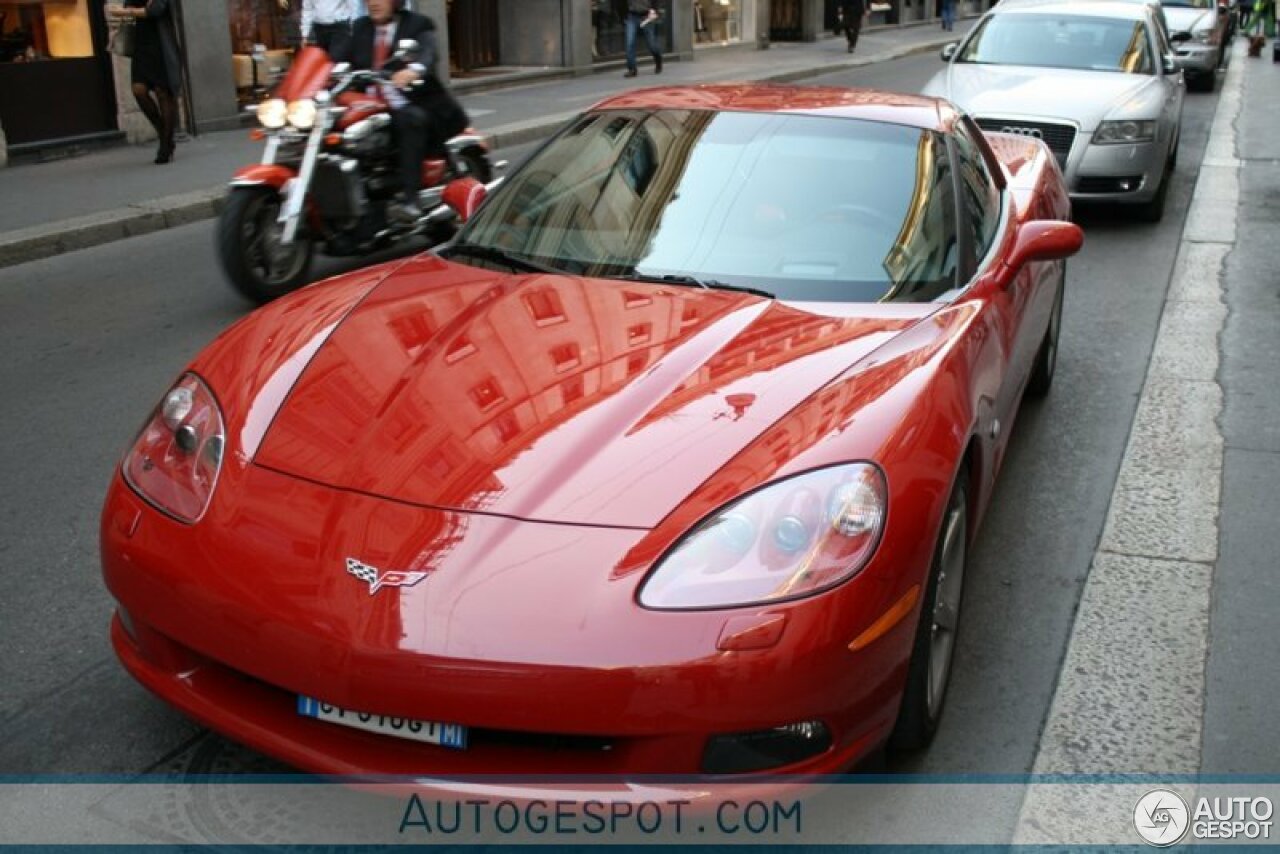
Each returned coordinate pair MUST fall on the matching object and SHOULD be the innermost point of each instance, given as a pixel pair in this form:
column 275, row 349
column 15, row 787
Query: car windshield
column 802, row 207
column 1056, row 41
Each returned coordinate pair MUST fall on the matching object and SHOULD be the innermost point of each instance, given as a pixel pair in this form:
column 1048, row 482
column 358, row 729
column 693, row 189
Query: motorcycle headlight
column 1109, row 133
column 793, row 538
column 272, row 113
column 175, row 461
column 302, row 113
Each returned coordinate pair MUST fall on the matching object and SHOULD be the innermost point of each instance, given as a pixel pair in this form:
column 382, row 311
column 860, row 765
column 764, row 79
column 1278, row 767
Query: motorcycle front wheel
column 250, row 247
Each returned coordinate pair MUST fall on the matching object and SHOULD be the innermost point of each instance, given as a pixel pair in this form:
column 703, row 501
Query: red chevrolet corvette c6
column 667, row 463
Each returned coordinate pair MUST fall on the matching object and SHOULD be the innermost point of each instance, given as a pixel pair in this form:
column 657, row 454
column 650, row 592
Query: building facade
column 59, row 83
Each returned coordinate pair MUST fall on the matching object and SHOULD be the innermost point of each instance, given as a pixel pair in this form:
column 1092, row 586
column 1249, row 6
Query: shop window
column 47, row 30
column 264, row 36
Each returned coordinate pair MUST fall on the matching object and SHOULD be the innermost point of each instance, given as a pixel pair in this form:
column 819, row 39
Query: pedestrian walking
column 156, row 68
column 327, row 23
column 850, row 15
column 642, row 17
column 948, row 14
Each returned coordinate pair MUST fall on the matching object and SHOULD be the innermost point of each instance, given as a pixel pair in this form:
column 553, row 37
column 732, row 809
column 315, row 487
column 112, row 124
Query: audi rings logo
column 1023, row 131
column 1161, row 817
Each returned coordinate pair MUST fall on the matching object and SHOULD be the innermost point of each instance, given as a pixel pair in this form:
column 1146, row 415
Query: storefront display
column 264, row 36
column 723, row 22
column 55, row 75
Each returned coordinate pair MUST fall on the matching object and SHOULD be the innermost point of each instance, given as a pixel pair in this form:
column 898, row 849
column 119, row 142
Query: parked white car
column 1097, row 81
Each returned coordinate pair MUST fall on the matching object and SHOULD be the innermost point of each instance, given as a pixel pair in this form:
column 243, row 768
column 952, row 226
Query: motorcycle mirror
column 464, row 195
column 341, row 68
column 407, row 46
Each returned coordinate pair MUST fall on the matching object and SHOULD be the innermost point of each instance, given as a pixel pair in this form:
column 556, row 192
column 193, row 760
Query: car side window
column 979, row 196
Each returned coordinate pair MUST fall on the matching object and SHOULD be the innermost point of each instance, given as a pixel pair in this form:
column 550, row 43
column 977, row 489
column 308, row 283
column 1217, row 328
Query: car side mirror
column 1169, row 65
column 464, row 195
column 949, row 50
column 1044, row 240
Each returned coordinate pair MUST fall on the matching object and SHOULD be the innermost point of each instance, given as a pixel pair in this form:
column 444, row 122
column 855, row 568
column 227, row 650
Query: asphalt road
column 89, row 341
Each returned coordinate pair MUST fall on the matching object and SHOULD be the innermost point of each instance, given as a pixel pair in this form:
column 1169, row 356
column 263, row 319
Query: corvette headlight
column 175, row 461
column 1124, row 131
column 789, row 539
column 302, row 114
column 272, row 113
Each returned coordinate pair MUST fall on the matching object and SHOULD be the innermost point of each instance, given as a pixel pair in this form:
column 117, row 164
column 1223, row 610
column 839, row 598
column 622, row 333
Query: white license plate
column 431, row 732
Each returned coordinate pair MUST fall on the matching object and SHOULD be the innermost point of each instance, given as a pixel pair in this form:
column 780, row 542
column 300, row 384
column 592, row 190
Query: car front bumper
column 231, row 625
column 1197, row 59
column 1125, row 173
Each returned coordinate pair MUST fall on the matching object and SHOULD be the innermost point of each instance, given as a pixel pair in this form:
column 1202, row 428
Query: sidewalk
column 108, row 195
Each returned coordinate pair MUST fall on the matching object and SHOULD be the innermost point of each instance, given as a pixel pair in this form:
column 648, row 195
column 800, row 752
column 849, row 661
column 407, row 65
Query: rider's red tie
column 381, row 46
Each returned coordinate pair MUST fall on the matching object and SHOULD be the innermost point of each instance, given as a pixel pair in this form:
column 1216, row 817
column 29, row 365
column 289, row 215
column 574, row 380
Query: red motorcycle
column 327, row 175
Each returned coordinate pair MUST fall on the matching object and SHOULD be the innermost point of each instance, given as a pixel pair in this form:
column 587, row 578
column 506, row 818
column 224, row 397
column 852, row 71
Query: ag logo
column 377, row 579
column 1161, row 817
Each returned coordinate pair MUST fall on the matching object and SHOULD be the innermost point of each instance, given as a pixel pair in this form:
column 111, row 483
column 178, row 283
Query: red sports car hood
column 555, row 398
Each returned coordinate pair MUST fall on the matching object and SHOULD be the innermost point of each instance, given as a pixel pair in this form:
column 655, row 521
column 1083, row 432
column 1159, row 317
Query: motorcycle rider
column 424, row 115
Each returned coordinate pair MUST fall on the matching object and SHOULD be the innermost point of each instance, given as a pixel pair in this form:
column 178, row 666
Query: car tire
column 254, row 263
column 1047, row 356
column 1153, row 211
column 933, row 651
column 1203, row 83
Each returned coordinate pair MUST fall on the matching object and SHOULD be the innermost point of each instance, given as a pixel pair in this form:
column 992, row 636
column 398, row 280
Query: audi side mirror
column 949, row 50
column 1169, row 65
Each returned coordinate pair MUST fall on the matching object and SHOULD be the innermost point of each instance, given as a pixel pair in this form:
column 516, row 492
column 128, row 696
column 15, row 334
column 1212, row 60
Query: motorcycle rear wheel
column 255, row 261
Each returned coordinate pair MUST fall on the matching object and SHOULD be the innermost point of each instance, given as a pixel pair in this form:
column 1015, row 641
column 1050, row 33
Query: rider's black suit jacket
column 430, row 94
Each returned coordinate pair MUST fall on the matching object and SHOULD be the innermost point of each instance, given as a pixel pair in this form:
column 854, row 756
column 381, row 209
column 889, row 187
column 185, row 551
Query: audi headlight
column 302, row 113
column 1109, row 133
column 1205, row 36
column 175, row 461
column 272, row 113
column 793, row 538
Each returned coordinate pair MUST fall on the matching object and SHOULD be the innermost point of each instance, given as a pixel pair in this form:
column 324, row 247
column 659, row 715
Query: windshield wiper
column 501, row 256
column 693, row 281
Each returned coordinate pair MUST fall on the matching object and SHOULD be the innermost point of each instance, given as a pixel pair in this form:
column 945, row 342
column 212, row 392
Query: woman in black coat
column 156, row 70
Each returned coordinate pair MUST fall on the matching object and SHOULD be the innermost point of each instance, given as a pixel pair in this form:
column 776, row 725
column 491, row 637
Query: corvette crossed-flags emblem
column 377, row 579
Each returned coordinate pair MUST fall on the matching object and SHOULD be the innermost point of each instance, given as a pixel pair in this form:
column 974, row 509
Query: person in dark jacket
column 642, row 17
column 423, row 113
column 155, row 70
column 851, row 14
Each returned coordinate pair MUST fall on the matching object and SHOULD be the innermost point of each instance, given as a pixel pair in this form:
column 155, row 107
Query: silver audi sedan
column 1097, row 81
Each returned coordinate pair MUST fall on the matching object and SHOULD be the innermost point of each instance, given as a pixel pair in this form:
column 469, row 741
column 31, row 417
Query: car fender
column 263, row 175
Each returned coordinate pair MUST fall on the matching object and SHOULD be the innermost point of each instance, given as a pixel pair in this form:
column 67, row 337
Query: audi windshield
column 1056, row 41
column 793, row 206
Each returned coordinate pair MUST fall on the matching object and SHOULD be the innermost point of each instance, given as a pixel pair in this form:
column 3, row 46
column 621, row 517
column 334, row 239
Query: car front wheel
column 930, row 669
